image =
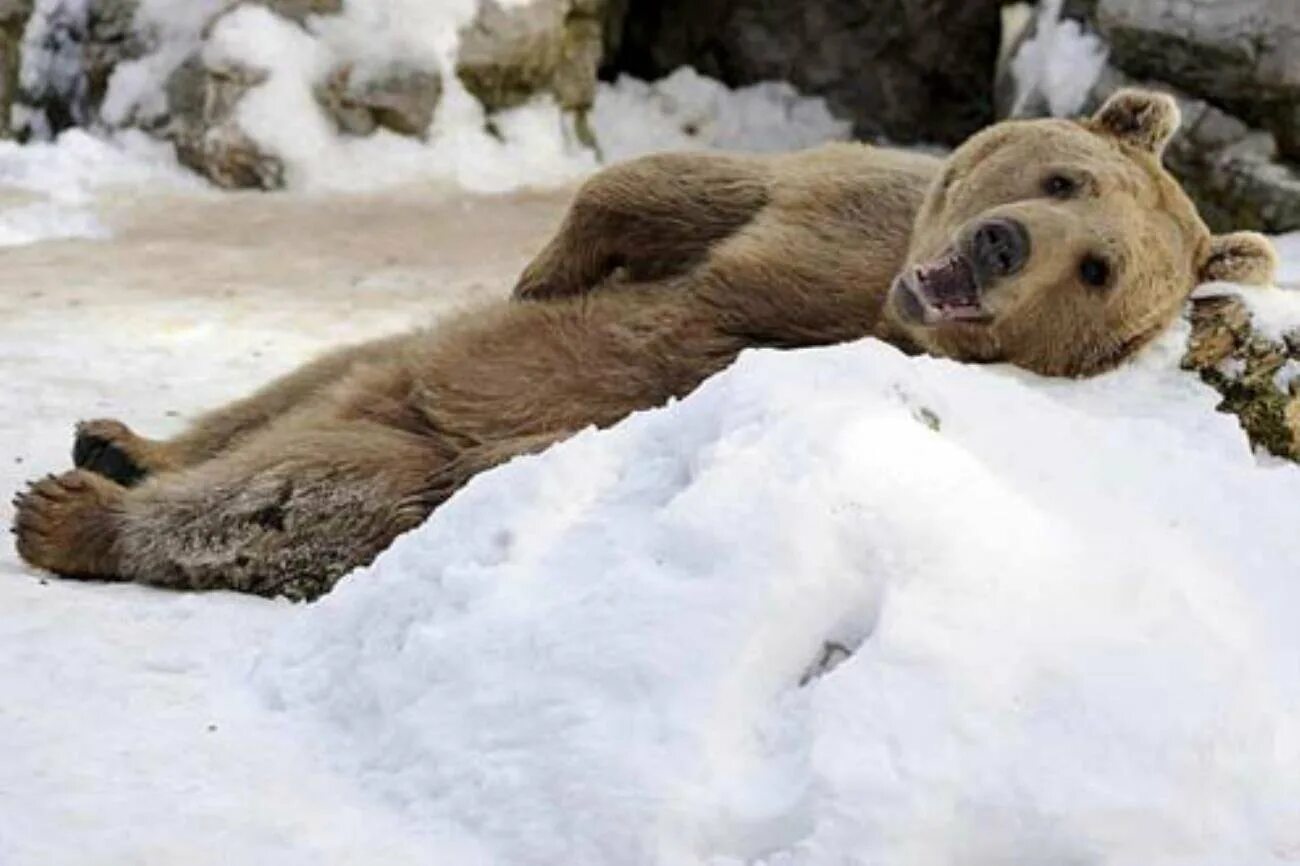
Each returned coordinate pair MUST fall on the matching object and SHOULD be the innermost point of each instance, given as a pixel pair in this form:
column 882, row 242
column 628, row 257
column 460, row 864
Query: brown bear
column 1060, row 246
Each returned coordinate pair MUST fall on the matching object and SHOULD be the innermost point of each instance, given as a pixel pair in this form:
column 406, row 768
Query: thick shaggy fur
column 664, row 269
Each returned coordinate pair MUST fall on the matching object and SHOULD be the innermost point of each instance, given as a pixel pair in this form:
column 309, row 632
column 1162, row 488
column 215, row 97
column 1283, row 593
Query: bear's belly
column 525, row 370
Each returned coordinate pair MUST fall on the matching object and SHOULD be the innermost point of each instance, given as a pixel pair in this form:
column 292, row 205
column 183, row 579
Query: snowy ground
column 1063, row 612
column 1070, row 606
column 127, row 734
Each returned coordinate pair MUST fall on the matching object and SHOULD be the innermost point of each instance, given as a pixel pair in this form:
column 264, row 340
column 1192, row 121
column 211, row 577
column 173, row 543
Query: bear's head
column 1062, row 246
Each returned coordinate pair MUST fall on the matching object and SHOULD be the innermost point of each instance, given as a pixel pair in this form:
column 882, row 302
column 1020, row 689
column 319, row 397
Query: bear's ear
column 1142, row 118
column 1240, row 257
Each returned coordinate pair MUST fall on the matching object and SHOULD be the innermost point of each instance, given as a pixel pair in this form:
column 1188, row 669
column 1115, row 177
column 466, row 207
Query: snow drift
column 1068, row 607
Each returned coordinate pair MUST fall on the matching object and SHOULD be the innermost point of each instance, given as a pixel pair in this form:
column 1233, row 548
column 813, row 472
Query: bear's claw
column 64, row 523
column 99, row 448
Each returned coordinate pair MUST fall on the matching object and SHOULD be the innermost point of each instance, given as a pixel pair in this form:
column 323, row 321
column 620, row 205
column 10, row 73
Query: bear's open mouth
column 941, row 290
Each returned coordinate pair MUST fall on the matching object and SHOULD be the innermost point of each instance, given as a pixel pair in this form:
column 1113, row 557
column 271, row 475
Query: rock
column 203, row 127
column 1258, row 378
column 52, row 86
column 401, row 99
column 111, row 38
column 1243, row 56
column 904, row 70
column 1230, row 170
column 1025, row 85
column 70, row 52
column 301, row 10
column 13, row 22
column 507, row 54
column 1079, row 10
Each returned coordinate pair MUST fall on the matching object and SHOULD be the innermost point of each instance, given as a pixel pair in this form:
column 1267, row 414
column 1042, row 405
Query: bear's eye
column 1094, row 271
column 1059, row 186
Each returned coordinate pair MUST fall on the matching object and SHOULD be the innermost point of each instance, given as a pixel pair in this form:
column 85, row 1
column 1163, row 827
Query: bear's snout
column 998, row 248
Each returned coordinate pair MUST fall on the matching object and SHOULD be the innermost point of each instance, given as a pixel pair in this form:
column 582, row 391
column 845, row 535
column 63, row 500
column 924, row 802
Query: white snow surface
column 1058, row 65
column 686, row 111
column 50, row 190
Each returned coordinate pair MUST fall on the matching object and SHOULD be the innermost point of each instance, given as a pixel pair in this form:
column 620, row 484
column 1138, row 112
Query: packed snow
column 1056, row 66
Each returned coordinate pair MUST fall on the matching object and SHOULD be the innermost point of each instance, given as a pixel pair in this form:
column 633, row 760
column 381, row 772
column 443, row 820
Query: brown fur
column 664, row 269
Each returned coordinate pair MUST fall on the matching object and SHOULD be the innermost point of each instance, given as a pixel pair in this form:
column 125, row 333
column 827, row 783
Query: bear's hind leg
column 68, row 524
column 288, row 514
column 111, row 449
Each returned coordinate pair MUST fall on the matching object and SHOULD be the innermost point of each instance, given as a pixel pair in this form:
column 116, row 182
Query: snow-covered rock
column 1222, row 61
column 1240, row 54
column 14, row 15
column 401, row 99
column 1254, row 366
column 316, row 94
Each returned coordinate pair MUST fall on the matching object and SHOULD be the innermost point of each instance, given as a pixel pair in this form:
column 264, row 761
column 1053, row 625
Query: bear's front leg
column 111, row 449
column 651, row 218
column 68, row 524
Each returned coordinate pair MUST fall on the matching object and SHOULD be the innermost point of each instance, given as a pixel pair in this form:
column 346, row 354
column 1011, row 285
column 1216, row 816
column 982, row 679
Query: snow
column 50, row 188
column 688, row 111
column 174, row 31
column 1288, row 249
column 1058, row 65
column 50, row 64
column 1067, row 607
column 283, row 116
column 621, row 626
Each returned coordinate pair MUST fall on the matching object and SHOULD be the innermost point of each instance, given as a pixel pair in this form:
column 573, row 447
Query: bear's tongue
column 947, row 285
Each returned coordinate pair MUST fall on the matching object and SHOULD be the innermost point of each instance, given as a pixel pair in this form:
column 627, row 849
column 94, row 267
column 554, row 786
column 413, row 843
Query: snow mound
column 1068, row 607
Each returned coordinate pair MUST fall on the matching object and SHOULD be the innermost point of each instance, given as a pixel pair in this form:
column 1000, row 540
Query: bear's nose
column 999, row 248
